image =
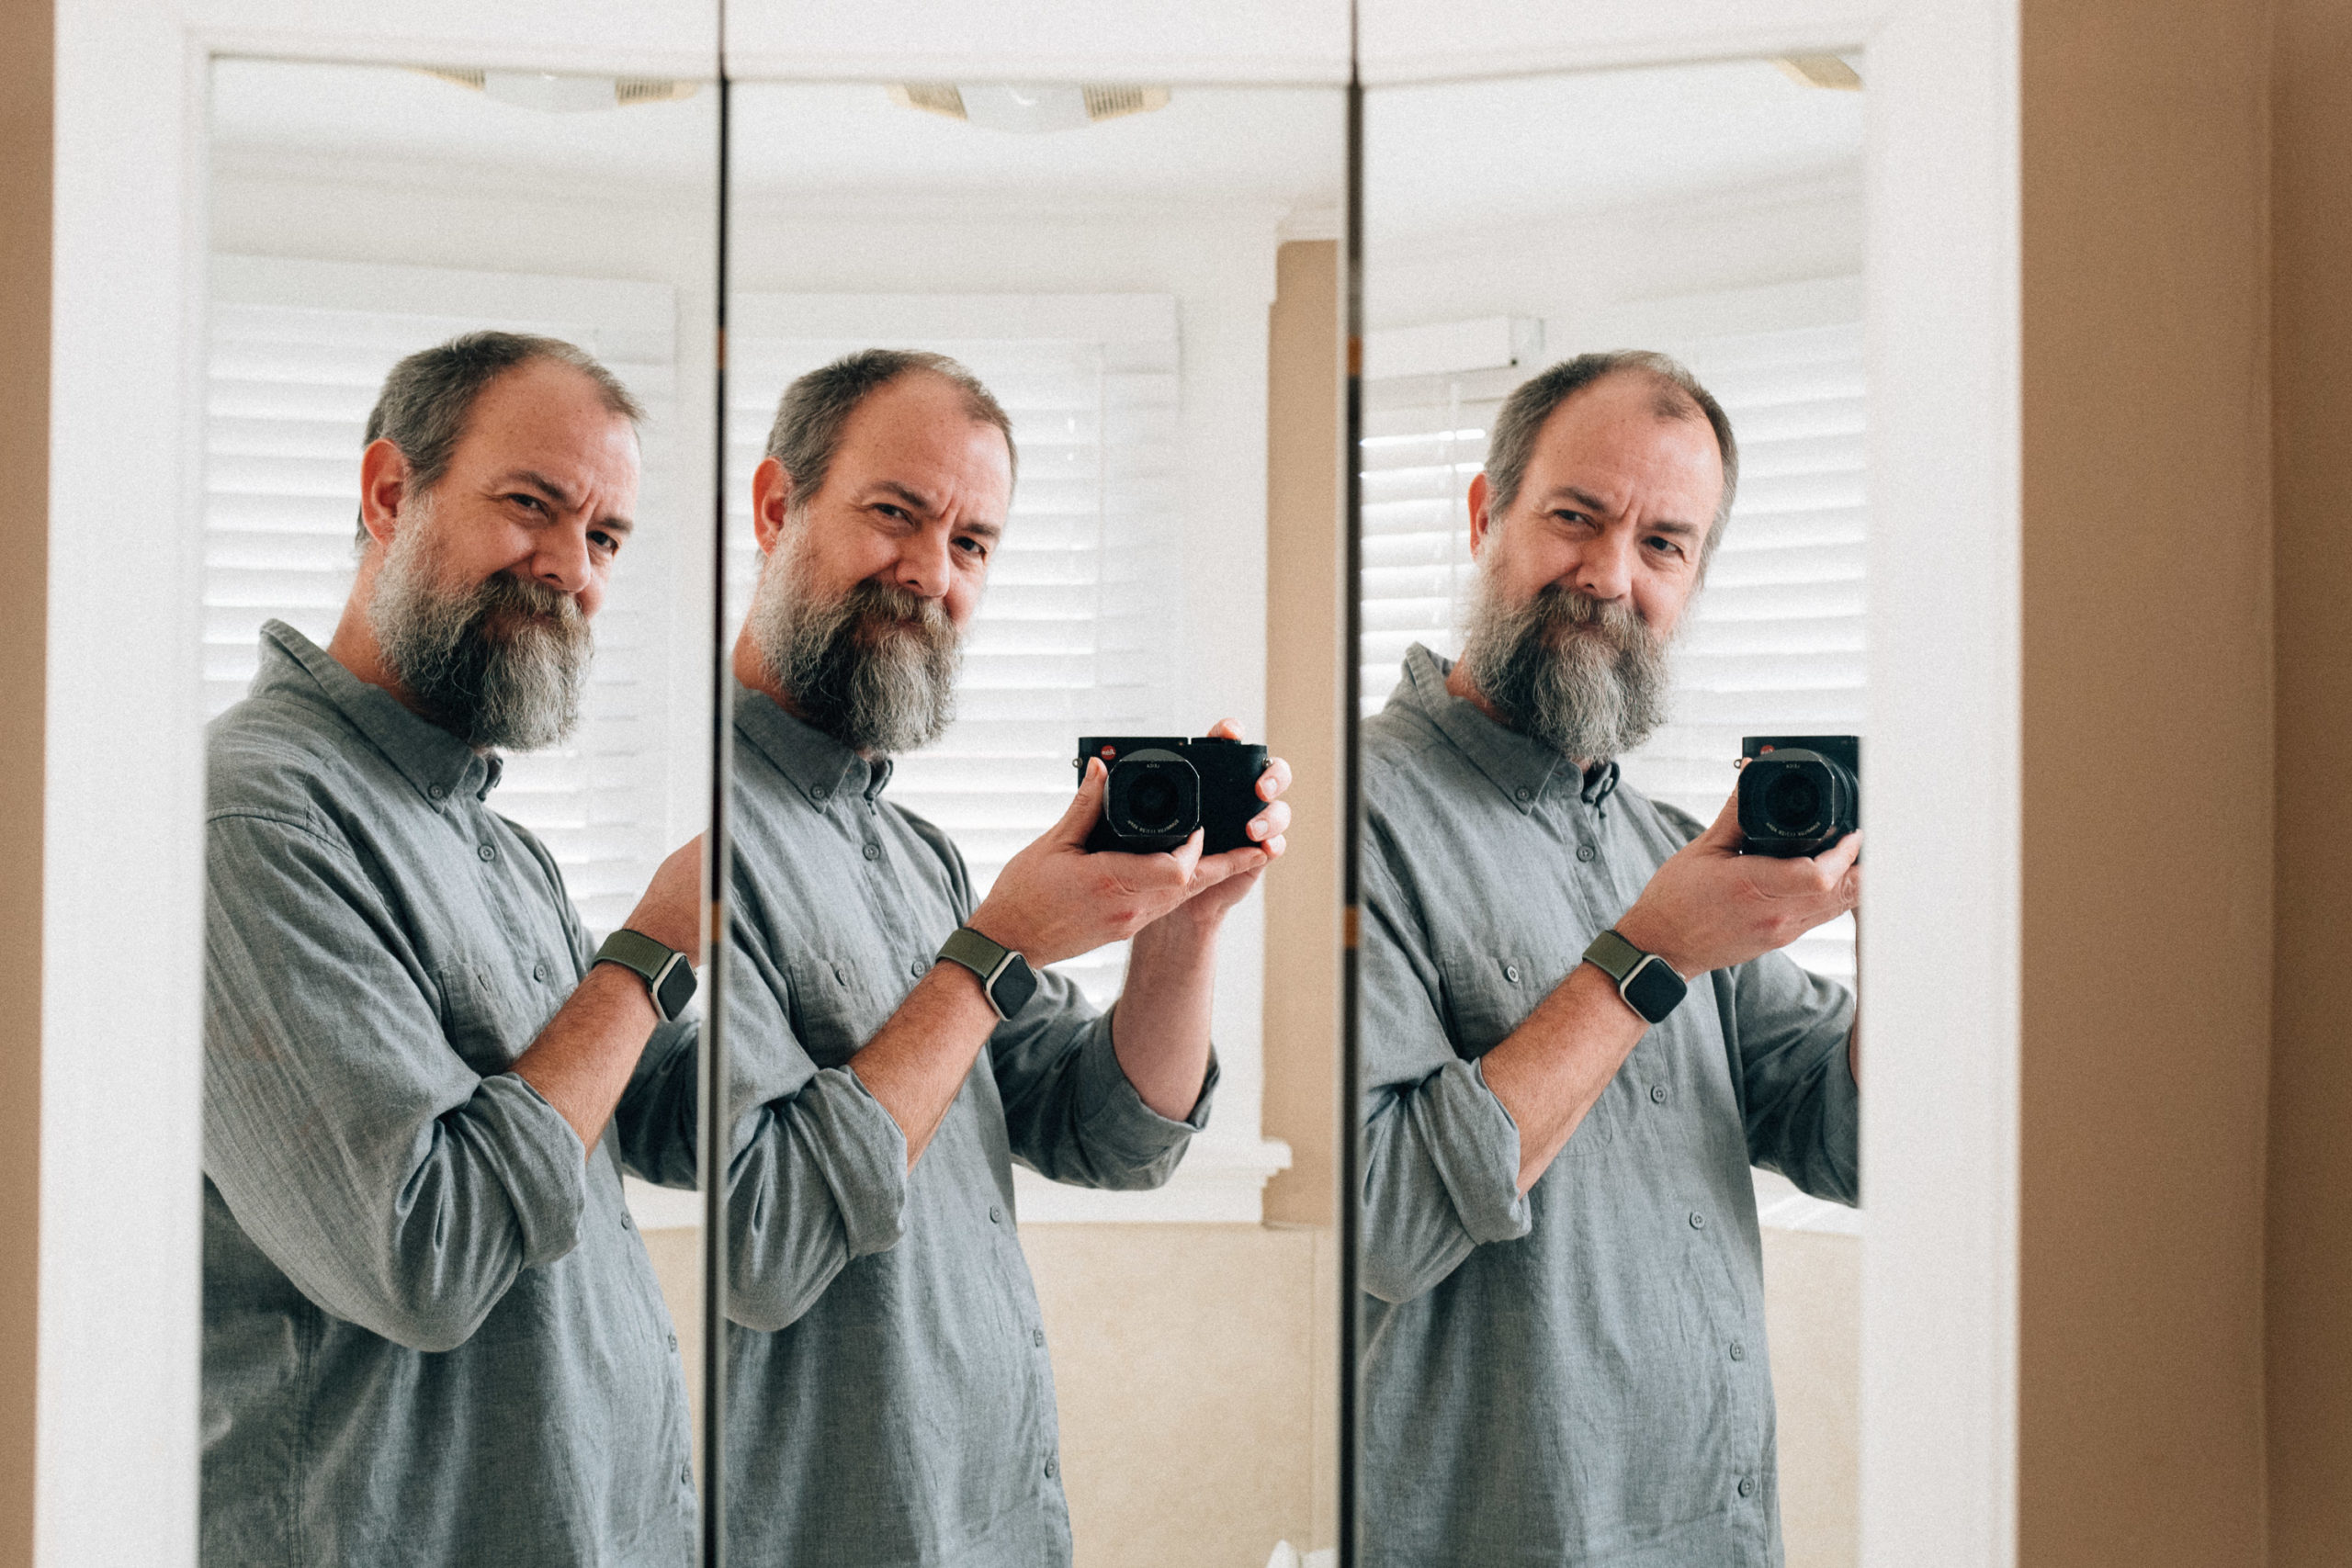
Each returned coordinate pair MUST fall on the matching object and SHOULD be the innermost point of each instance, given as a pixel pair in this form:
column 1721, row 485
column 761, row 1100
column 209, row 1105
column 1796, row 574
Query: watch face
column 676, row 990
column 1654, row 989
column 1015, row 987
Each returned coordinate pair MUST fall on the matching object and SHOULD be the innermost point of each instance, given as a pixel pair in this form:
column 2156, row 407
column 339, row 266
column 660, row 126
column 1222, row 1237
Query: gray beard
column 1585, row 677
column 874, row 669
column 499, row 664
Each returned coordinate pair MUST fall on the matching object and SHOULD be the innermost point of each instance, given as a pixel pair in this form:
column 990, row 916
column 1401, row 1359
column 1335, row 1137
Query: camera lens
column 1152, row 802
column 1792, row 801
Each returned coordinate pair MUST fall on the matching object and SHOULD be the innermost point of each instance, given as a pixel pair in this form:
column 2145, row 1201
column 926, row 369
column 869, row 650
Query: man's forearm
column 1552, row 1069
column 917, row 1064
column 583, row 1059
column 1160, row 1028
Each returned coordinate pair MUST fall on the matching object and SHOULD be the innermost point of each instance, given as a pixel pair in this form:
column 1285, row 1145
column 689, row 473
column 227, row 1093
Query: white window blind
column 1774, row 641
column 1078, row 629
column 298, row 352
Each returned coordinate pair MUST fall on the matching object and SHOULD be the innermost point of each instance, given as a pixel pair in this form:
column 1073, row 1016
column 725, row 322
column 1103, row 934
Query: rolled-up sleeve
column 1787, row 1029
column 817, row 1175
column 1441, row 1153
column 396, row 1188
column 1070, row 1112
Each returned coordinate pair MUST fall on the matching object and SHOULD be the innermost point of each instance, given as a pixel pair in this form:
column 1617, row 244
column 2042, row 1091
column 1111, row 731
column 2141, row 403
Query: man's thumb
column 1085, row 807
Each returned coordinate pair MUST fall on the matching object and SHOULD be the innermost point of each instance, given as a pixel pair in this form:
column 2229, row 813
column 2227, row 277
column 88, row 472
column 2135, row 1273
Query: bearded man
column 890, row 1401
column 430, row 1333
column 1565, row 1354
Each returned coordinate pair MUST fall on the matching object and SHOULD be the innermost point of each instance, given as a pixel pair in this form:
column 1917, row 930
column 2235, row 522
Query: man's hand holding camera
column 1711, row 906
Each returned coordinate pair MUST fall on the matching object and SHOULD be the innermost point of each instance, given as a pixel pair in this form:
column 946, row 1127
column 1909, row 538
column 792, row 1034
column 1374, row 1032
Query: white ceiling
column 1438, row 159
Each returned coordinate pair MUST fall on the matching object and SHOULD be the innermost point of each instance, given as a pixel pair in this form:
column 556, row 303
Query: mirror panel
column 1070, row 1331
column 411, row 858
column 1712, row 213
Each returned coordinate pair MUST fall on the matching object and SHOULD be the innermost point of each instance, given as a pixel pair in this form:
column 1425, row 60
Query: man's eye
column 605, row 542
column 533, row 502
column 896, row 513
column 973, row 547
column 1666, row 546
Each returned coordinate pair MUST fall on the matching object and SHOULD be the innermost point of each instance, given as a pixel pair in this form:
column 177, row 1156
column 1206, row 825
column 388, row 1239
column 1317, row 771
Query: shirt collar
column 819, row 766
column 1518, row 765
column 429, row 757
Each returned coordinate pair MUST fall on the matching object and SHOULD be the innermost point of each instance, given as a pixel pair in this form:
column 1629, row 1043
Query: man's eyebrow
column 561, row 497
column 989, row 530
column 1593, row 503
column 907, row 494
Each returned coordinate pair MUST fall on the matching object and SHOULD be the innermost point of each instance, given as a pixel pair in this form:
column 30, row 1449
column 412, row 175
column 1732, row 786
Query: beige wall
column 1813, row 1300
column 25, row 63
column 2310, row 1251
column 1304, row 557
column 1184, row 1366
column 2147, row 782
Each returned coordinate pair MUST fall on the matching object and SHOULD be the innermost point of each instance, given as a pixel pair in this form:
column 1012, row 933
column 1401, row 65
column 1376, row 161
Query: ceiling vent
column 1025, row 107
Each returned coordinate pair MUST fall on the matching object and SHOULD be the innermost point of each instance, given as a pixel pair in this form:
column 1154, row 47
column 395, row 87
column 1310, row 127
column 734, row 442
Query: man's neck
column 753, row 672
column 1458, row 684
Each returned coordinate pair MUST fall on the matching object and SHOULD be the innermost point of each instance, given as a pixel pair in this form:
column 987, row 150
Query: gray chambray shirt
column 889, row 1399
column 430, row 1333
column 1578, row 1375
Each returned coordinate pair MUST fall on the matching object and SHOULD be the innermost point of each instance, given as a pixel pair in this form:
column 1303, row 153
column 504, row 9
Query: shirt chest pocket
column 487, row 1020
column 1489, row 991
column 834, row 1008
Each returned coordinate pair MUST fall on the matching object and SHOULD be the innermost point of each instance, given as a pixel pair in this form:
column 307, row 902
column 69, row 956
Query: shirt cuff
column 1111, row 1115
column 536, row 1157
column 861, row 1155
column 1474, row 1144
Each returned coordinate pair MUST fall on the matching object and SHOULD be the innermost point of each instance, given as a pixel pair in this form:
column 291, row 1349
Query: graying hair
column 429, row 395
column 815, row 408
column 1680, row 396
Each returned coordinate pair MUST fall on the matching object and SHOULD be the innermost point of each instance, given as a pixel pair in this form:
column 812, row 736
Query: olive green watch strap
column 1005, row 977
column 1614, row 955
column 667, row 974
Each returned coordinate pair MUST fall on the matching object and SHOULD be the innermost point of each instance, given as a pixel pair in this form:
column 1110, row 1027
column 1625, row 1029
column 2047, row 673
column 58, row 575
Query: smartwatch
column 1648, row 982
column 667, row 974
column 1006, row 978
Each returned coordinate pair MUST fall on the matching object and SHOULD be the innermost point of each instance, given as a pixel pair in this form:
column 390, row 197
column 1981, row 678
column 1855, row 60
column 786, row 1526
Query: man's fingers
column 1271, row 823
column 1085, row 807
column 1835, row 860
column 1274, row 780
column 1187, row 855
column 1226, row 730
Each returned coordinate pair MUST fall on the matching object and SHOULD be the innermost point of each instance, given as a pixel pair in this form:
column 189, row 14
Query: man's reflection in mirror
column 890, row 1401
column 1566, row 1358
column 430, row 1333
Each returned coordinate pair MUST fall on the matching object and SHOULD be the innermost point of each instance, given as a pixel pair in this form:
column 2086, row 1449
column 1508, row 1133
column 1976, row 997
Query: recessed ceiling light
column 553, row 94
column 1833, row 72
column 1027, row 107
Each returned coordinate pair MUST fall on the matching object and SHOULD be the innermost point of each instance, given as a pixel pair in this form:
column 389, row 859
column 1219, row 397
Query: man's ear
column 383, row 489
column 1481, row 493
column 771, row 503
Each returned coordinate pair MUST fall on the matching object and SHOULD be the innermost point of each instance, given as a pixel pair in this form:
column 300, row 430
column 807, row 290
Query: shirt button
column 1739, row 1352
column 539, row 971
column 673, row 1342
column 918, row 968
column 1697, row 1221
column 1037, row 1337
column 1523, row 793
column 1657, row 1094
column 1747, row 1487
column 1049, row 1469
column 820, row 794
column 625, row 1225
column 872, row 851
column 996, row 1216
column 1584, row 851
column 686, row 1475
column 438, row 792
column 1511, row 973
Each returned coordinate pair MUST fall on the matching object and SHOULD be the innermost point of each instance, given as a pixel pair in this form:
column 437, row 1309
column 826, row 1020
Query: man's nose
column 1605, row 566
column 923, row 566
column 561, row 560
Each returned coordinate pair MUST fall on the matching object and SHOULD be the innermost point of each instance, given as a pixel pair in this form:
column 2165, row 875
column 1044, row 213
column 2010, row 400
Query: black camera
column 1161, row 787
column 1799, row 794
